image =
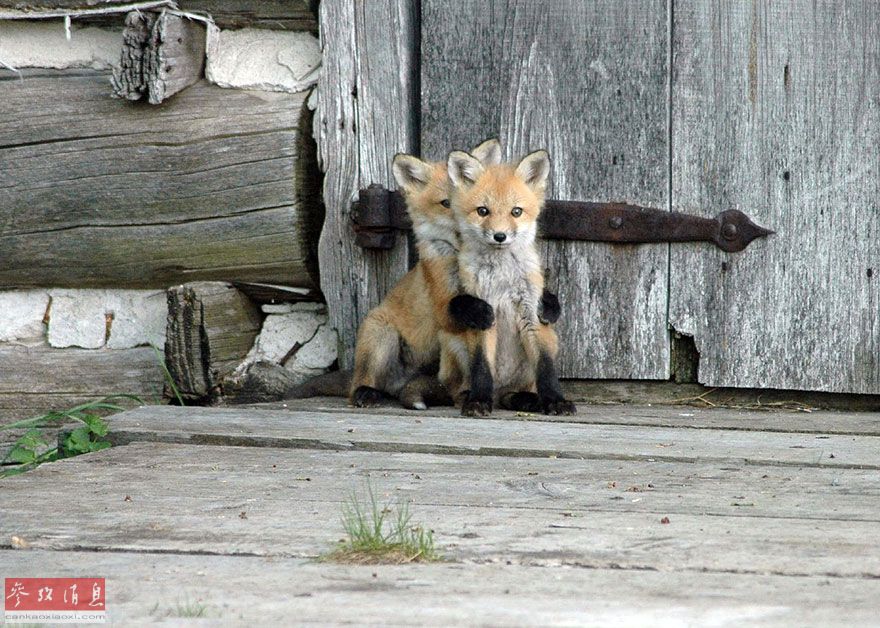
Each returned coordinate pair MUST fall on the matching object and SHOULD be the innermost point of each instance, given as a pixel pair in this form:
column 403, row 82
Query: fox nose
column 500, row 237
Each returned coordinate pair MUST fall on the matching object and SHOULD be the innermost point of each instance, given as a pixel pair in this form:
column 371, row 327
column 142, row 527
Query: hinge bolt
column 729, row 231
column 616, row 222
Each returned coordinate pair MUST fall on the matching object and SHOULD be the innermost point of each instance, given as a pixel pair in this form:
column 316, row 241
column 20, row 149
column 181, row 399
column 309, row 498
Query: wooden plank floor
column 774, row 518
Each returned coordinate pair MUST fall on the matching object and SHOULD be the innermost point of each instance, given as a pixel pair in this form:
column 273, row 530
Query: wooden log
column 162, row 54
column 288, row 15
column 98, row 192
column 36, row 379
column 211, row 327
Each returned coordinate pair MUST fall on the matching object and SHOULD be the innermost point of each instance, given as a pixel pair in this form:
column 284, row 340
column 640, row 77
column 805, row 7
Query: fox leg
column 454, row 362
column 470, row 312
column 376, row 362
column 521, row 401
column 481, row 351
column 549, row 308
column 550, row 395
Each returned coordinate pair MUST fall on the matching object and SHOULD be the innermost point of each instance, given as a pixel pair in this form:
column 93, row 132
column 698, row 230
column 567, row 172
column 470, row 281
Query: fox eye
column 445, row 203
column 516, row 212
column 483, row 211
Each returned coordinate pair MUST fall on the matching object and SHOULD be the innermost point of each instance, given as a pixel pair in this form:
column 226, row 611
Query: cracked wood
column 99, row 192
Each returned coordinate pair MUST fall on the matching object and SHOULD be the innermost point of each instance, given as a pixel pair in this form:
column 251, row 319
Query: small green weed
column 168, row 379
column 382, row 534
column 32, row 449
column 181, row 609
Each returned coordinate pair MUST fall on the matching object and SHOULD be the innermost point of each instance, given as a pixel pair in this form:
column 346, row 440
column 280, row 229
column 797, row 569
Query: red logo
column 54, row 595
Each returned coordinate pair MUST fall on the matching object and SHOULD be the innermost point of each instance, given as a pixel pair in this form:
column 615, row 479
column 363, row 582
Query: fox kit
column 496, row 207
column 398, row 344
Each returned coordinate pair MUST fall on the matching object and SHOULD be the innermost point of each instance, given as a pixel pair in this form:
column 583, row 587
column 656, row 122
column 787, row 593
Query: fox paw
column 523, row 402
column 476, row 407
column 549, row 308
column 560, row 407
column 471, row 312
column 366, row 397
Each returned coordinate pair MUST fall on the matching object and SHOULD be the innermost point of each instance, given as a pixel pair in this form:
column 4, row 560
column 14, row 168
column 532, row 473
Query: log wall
column 99, row 192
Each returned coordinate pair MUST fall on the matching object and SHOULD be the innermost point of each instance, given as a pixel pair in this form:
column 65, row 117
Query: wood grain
column 97, row 192
column 366, row 100
column 522, row 512
column 588, row 82
column 211, row 328
column 353, row 430
column 820, row 423
column 776, row 112
column 293, row 15
column 36, row 379
column 162, row 55
column 452, row 594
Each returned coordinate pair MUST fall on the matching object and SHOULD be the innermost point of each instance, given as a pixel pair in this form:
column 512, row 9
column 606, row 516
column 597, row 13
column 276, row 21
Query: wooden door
column 776, row 111
column 698, row 106
column 588, row 81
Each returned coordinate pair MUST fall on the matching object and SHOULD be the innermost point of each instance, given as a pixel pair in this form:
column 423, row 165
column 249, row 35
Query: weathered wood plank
column 296, row 15
column 162, row 55
column 588, row 82
column 351, row 430
column 450, row 594
column 36, row 379
column 285, row 15
column 822, row 423
column 211, row 328
column 521, row 518
column 97, row 192
column 775, row 112
column 366, row 104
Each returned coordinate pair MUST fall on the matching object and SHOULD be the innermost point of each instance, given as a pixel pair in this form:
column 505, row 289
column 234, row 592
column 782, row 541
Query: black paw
column 549, row 308
column 476, row 407
column 560, row 407
column 523, row 402
column 366, row 397
column 471, row 312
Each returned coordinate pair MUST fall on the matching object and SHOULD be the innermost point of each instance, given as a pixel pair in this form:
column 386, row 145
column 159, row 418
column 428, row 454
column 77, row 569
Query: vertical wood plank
column 588, row 81
column 776, row 111
column 366, row 114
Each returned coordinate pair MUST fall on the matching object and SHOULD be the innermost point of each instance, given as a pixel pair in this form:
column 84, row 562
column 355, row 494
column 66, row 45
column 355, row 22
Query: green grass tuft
column 382, row 534
column 168, row 379
column 188, row 608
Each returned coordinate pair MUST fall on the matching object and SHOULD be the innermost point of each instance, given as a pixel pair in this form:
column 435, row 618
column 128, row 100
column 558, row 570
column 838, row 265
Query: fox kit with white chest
column 496, row 208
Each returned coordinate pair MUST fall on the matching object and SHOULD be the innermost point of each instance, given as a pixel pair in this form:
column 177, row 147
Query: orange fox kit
column 496, row 207
column 398, row 344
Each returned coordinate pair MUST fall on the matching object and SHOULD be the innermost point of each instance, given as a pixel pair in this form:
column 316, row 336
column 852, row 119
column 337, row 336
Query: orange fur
column 400, row 339
column 489, row 201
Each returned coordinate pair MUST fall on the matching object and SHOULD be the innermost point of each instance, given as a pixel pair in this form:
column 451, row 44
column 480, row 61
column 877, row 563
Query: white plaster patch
column 280, row 333
column 319, row 353
column 80, row 318
column 43, row 44
column 21, row 316
column 139, row 318
column 276, row 61
column 302, row 331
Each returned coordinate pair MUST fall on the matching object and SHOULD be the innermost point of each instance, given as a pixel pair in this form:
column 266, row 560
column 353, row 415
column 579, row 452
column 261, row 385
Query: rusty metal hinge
column 379, row 213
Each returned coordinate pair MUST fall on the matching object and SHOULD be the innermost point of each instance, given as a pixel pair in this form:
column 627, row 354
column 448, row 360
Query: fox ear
column 489, row 152
column 410, row 172
column 464, row 169
column 534, row 170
